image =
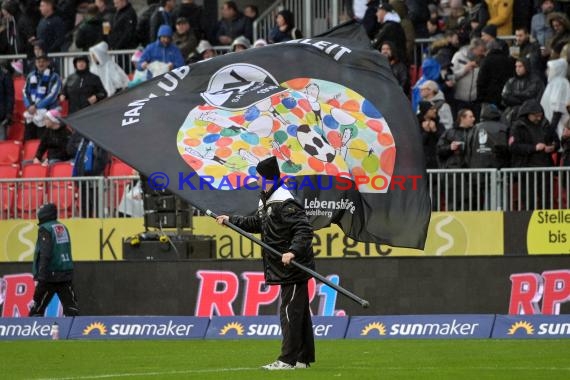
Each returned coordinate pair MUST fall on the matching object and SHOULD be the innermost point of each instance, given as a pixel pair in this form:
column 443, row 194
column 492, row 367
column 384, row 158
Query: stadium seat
column 16, row 130
column 118, row 168
column 7, row 171
column 10, row 152
column 30, row 149
column 30, row 195
column 62, row 193
column 64, row 108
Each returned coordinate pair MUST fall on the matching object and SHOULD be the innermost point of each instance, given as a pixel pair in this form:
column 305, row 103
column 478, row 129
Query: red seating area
column 21, row 199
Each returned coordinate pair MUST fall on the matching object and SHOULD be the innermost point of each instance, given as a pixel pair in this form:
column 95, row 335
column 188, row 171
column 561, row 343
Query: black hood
column 526, row 63
column 490, row 112
column 47, row 212
column 530, row 106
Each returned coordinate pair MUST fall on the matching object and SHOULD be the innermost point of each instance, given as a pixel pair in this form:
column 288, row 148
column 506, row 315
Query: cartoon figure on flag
column 313, row 127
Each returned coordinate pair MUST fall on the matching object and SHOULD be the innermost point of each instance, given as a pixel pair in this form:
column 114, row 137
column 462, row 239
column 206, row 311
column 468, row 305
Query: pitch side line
column 110, row 375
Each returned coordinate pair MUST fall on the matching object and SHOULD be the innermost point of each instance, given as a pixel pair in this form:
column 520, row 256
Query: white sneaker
column 277, row 365
column 302, row 365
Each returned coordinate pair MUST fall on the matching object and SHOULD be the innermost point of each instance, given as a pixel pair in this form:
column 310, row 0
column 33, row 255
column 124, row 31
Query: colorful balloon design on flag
column 312, row 126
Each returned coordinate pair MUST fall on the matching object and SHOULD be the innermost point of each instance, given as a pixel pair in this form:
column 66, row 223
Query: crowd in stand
column 472, row 68
column 482, row 99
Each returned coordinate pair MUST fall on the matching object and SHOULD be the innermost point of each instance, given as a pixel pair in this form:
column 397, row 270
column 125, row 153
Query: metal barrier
column 311, row 17
column 464, row 189
column 451, row 190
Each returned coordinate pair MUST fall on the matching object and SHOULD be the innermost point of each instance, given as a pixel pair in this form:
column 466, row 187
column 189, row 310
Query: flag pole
column 365, row 304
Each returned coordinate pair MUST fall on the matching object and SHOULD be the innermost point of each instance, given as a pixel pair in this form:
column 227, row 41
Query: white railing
column 311, row 17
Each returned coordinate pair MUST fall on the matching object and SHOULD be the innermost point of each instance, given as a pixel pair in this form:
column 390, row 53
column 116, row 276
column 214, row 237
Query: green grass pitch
column 348, row 359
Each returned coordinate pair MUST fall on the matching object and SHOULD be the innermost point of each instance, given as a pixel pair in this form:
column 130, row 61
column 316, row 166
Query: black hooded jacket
column 284, row 226
column 488, row 143
column 80, row 86
column 526, row 135
column 521, row 88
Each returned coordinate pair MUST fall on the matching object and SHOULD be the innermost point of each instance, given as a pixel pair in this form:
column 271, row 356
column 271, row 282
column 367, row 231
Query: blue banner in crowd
column 34, row 328
column 532, row 326
column 269, row 327
column 138, row 328
column 420, row 326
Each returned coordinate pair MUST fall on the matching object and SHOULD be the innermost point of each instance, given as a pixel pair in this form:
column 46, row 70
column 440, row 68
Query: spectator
column 195, row 16
column 488, row 147
column 452, row 154
column 399, row 69
column 285, row 29
column 496, row 69
column 431, row 70
column 565, row 145
column 162, row 16
column 259, row 43
column 161, row 51
column 418, row 12
column 522, row 13
column 489, row 34
column 540, row 28
column 532, row 143
column 501, row 16
column 531, row 51
column 556, row 97
column 232, row 25
column 102, row 65
column 401, row 9
column 50, row 29
column 143, row 22
column 561, row 34
column 523, row 86
column 444, row 48
column 89, row 160
column 53, row 265
column 124, row 26
column 390, row 30
column 466, row 70
column 431, row 131
column 241, row 43
column 370, row 20
column 40, row 95
column 54, row 140
column 451, row 147
column 184, row 37
column 478, row 16
column 204, row 50
column 90, row 31
column 10, row 41
column 6, row 101
column 106, row 14
column 82, row 88
column 429, row 91
column 251, row 12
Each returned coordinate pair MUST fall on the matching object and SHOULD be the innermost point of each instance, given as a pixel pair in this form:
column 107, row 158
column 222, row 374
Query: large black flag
column 327, row 107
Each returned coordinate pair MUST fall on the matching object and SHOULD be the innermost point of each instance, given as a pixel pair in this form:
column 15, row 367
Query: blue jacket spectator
column 162, row 50
column 42, row 87
column 431, row 70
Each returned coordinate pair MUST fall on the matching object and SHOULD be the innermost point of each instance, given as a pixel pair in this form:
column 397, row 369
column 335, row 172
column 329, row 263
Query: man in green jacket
column 53, row 264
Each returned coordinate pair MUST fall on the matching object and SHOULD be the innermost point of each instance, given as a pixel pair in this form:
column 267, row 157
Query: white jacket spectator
column 556, row 96
column 111, row 74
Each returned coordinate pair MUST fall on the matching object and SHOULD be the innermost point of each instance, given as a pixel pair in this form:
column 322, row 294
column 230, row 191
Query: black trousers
column 298, row 343
column 45, row 292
